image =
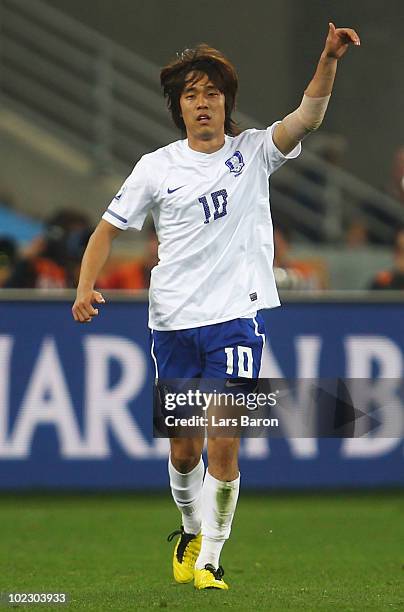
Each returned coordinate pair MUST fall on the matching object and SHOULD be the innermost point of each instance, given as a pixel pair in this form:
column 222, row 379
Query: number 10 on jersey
column 219, row 200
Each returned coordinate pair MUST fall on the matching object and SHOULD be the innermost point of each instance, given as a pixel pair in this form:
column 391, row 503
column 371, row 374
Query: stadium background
column 58, row 381
column 275, row 46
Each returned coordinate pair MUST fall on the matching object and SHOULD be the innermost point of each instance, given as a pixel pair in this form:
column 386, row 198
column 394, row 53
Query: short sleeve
column 273, row 157
column 133, row 201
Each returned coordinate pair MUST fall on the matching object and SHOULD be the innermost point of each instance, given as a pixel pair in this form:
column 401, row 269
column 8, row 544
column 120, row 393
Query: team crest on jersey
column 120, row 193
column 235, row 163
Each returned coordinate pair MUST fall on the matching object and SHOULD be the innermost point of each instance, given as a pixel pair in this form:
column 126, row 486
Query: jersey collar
column 206, row 157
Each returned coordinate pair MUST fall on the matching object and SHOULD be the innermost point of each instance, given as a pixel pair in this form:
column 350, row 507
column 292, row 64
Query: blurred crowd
column 52, row 259
column 49, row 261
column 392, row 278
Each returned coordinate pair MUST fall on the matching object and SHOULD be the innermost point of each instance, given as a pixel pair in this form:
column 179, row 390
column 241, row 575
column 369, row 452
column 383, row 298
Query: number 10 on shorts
column 244, row 359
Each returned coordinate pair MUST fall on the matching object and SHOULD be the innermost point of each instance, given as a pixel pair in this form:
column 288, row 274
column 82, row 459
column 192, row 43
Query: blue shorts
column 232, row 349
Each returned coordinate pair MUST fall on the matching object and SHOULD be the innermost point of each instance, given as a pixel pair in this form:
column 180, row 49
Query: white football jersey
column 212, row 217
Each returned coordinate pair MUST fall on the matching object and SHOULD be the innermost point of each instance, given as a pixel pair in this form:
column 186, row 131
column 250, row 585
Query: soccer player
column 209, row 197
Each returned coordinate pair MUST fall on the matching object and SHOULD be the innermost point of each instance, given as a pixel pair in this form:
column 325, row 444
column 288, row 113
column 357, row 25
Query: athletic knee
column 224, row 449
column 184, row 457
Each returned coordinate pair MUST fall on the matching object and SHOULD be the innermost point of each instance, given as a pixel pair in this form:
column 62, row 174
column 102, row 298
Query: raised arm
column 309, row 116
column 95, row 256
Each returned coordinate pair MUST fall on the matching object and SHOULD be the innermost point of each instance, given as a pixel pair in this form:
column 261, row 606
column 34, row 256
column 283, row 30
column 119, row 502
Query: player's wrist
column 85, row 287
column 328, row 57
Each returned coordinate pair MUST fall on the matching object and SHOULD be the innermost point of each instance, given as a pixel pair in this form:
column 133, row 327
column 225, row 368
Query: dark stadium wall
column 157, row 29
column 368, row 100
column 275, row 46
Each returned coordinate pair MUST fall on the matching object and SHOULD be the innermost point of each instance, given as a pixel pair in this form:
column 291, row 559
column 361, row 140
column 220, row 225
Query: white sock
column 219, row 501
column 186, row 490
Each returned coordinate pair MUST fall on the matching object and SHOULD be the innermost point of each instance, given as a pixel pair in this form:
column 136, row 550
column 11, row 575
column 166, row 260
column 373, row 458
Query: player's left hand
column 338, row 41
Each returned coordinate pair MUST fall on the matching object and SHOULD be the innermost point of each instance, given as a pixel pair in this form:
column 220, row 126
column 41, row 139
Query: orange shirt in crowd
column 128, row 275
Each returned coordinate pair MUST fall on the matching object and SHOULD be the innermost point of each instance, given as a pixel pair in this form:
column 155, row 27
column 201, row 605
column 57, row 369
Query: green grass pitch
column 314, row 552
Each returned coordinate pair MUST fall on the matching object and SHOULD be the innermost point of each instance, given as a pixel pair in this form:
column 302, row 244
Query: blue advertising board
column 76, row 400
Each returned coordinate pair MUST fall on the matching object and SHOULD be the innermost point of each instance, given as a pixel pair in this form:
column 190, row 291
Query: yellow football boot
column 186, row 552
column 209, row 578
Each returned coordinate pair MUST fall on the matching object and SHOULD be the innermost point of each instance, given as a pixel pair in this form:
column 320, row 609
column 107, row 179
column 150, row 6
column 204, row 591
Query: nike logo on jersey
column 235, row 384
column 176, row 189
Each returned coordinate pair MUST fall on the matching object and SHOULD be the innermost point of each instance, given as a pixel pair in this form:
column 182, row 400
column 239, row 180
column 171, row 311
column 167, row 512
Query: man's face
column 202, row 107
